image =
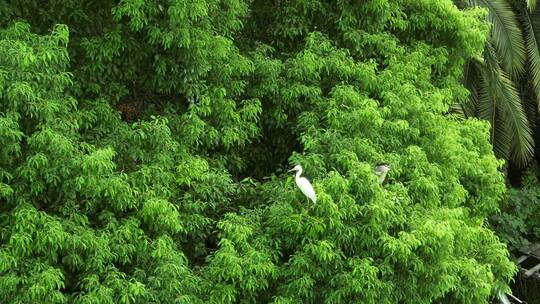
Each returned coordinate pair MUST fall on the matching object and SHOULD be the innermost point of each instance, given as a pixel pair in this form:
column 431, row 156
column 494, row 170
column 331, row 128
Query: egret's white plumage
column 304, row 184
column 381, row 171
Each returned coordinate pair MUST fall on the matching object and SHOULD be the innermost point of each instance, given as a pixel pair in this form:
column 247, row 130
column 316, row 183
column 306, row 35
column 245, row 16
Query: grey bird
column 381, row 171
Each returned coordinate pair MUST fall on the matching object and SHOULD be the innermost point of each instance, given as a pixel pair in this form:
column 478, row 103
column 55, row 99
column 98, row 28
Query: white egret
column 304, row 184
column 381, row 171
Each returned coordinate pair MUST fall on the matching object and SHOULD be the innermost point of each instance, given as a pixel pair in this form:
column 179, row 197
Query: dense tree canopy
column 144, row 145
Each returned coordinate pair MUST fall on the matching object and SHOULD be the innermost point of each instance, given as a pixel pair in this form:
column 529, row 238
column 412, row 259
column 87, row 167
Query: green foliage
column 518, row 221
column 145, row 166
column 505, row 83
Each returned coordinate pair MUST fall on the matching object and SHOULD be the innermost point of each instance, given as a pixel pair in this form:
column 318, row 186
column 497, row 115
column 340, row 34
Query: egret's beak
column 292, row 170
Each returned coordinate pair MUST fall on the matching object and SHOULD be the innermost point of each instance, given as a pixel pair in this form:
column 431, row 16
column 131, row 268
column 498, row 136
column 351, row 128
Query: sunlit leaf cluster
column 144, row 145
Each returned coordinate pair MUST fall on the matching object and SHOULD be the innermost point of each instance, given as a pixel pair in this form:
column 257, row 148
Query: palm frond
column 471, row 77
column 461, row 4
column 488, row 109
column 486, row 105
column 472, row 80
column 502, row 138
column 531, row 24
column 501, row 105
column 506, row 33
column 531, row 5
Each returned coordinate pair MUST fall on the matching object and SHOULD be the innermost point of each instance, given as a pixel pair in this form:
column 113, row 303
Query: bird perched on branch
column 304, row 184
column 381, row 171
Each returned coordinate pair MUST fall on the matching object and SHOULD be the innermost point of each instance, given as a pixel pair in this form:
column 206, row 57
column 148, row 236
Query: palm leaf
column 486, row 105
column 510, row 125
column 466, row 108
column 502, row 138
column 531, row 5
column 531, row 24
column 506, row 33
column 488, row 109
column 472, row 80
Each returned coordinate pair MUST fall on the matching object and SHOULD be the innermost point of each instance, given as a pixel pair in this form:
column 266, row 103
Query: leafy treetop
column 141, row 158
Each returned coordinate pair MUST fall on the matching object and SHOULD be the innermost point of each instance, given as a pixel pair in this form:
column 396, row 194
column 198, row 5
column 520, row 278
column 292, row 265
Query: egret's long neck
column 382, row 177
column 298, row 173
